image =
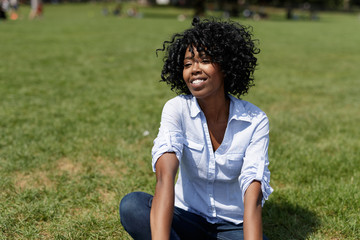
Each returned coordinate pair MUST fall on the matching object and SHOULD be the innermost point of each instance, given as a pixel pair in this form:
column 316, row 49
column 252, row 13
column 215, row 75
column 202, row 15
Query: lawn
column 80, row 104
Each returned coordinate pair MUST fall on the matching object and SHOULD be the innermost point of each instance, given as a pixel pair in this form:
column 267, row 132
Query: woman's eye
column 206, row 61
column 187, row 64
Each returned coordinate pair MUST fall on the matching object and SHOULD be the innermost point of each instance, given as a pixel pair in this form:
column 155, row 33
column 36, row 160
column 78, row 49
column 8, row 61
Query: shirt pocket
column 233, row 165
column 193, row 152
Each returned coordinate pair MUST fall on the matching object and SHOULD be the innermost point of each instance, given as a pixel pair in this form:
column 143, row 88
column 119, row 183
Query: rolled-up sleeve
column 170, row 137
column 255, row 166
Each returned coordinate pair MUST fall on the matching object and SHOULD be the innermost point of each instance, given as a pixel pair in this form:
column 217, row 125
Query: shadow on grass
column 282, row 220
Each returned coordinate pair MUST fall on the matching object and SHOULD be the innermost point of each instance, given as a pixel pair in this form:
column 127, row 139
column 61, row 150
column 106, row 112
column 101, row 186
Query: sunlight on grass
column 78, row 90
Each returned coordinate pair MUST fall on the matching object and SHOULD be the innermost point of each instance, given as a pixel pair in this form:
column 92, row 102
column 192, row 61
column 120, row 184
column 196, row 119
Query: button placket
column 211, row 171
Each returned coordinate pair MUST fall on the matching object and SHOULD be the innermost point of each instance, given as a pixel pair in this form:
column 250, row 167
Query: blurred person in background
column 14, row 6
column 4, row 7
column 36, row 9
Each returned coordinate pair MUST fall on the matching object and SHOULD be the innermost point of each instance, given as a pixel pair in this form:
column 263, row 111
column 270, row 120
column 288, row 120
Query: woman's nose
column 196, row 68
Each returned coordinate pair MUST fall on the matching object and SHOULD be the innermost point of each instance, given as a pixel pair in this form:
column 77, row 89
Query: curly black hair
column 227, row 43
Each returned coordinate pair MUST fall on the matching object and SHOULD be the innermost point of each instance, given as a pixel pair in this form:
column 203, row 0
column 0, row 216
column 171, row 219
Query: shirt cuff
column 167, row 142
column 264, row 178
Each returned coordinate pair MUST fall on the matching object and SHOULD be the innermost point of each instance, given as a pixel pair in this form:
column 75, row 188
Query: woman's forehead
column 194, row 51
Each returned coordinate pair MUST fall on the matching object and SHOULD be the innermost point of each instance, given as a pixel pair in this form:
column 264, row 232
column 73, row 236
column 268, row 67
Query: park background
column 80, row 104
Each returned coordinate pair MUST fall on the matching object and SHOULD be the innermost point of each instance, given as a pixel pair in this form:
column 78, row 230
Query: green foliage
column 79, row 89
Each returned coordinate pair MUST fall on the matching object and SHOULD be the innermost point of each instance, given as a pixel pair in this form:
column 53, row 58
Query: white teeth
column 197, row 81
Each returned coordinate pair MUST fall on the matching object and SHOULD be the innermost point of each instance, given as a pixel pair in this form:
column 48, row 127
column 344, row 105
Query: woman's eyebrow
column 203, row 54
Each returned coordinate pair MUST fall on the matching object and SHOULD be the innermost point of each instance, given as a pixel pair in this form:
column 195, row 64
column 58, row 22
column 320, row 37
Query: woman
column 218, row 142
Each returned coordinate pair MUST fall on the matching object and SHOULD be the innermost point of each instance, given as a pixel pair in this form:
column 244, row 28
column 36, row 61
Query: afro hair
column 227, row 43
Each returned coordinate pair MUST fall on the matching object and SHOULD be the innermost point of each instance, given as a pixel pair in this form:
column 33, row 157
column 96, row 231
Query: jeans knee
column 126, row 205
column 135, row 214
column 132, row 204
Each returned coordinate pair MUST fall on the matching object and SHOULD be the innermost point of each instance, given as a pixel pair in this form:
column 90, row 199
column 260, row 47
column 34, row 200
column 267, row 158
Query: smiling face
column 203, row 77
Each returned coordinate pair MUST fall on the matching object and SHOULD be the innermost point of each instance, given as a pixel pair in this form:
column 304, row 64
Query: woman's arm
column 252, row 214
column 163, row 203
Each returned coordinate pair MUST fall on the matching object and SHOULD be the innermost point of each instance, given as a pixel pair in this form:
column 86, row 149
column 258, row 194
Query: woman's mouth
column 197, row 81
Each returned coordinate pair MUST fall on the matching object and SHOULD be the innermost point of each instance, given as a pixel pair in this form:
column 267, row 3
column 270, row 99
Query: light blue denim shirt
column 210, row 183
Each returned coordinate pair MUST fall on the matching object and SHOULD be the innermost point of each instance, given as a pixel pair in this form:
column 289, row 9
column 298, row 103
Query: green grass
column 78, row 90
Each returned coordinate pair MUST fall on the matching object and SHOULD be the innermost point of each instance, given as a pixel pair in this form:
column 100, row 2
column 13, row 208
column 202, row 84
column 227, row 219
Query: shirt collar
column 194, row 107
column 237, row 109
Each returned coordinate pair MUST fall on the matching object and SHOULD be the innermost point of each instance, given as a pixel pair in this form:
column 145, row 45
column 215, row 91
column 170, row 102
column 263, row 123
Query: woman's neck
column 215, row 110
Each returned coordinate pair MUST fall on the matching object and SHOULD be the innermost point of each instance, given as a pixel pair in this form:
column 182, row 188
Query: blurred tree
column 199, row 7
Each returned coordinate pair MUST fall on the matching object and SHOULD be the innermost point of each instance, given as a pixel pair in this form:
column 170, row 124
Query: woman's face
column 203, row 77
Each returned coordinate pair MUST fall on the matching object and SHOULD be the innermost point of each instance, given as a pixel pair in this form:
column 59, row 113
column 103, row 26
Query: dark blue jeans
column 135, row 217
